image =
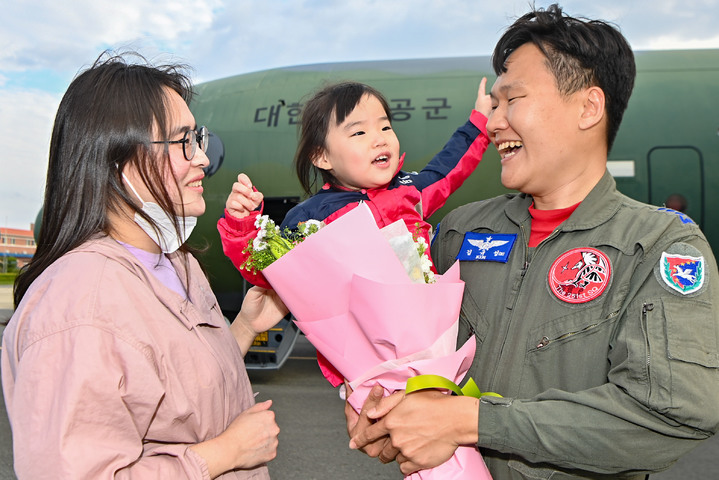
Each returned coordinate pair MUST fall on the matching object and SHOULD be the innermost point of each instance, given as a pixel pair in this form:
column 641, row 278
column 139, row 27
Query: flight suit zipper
column 523, row 273
column 546, row 340
column 647, row 307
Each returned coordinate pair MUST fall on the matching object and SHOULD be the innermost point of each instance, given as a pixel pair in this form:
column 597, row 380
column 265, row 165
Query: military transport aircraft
column 668, row 143
column 667, row 146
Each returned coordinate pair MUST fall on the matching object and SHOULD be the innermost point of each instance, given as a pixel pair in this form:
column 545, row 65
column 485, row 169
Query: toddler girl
column 346, row 138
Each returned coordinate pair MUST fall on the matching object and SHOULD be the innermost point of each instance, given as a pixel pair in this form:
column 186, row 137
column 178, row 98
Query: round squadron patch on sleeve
column 681, row 270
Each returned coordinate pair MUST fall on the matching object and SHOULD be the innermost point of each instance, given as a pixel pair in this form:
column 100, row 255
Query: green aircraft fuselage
column 668, row 141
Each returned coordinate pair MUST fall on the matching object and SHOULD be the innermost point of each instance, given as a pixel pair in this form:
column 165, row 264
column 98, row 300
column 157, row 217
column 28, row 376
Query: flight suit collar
column 601, row 204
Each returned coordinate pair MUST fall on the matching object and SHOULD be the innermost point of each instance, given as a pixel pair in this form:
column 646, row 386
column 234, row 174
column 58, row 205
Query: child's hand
column 242, row 199
column 483, row 104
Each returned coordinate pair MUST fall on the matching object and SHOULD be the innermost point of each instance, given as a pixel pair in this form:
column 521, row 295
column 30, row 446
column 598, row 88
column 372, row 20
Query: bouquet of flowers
column 362, row 298
column 270, row 244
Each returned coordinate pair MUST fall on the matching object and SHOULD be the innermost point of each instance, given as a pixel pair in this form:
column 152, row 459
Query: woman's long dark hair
column 105, row 121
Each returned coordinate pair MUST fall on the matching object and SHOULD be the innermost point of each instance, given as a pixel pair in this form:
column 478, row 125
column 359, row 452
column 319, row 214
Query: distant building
column 17, row 243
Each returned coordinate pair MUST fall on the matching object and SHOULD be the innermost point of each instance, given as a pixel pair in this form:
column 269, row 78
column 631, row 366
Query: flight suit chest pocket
column 570, row 352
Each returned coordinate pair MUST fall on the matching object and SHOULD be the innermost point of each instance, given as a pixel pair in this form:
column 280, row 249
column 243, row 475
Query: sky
column 44, row 43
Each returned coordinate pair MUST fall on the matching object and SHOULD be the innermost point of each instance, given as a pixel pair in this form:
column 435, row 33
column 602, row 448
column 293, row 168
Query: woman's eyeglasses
column 190, row 141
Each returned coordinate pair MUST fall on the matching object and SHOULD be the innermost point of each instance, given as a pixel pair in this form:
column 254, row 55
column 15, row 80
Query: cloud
column 44, row 43
column 58, row 36
column 26, row 119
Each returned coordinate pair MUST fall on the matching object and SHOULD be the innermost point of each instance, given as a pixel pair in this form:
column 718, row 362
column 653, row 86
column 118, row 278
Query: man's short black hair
column 580, row 53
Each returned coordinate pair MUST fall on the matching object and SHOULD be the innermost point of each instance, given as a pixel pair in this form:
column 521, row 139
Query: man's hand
column 356, row 423
column 426, row 426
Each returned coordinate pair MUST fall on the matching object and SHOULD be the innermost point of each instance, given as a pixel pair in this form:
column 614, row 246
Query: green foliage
column 8, row 265
column 270, row 244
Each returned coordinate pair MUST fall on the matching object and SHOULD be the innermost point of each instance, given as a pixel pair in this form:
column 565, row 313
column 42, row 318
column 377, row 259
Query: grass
column 7, row 278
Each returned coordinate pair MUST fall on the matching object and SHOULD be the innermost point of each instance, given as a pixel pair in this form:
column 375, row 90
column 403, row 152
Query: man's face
column 533, row 127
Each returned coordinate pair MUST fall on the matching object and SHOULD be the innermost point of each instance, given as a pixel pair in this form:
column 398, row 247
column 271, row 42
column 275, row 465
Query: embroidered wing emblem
column 484, row 245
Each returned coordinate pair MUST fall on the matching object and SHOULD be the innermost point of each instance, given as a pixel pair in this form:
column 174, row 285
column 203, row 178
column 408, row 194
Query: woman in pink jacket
column 118, row 362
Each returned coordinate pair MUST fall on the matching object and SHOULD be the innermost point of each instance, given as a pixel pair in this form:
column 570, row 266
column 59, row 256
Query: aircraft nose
column 215, row 154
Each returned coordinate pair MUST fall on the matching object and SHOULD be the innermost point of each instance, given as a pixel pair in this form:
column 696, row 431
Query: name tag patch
column 488, row 247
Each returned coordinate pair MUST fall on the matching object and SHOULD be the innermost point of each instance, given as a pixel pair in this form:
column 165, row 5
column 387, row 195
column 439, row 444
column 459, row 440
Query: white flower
column 258, row 244
column 261, row 222
column 311, row 224
column 425, row 263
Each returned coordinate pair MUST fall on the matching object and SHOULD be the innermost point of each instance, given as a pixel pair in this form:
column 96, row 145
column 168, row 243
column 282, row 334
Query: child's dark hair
column 339, row 99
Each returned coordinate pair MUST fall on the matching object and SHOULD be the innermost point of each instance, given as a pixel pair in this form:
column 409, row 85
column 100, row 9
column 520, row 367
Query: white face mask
column 168, row 241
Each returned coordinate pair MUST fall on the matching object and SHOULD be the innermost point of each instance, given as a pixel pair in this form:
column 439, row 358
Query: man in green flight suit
column 594, row 315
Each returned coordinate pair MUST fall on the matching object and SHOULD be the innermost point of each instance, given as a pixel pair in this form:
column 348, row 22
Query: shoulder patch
column 580, row 275
column 681, row 270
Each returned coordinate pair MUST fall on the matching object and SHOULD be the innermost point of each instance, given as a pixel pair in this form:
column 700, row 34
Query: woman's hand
column 261, row 310
column 249, row 441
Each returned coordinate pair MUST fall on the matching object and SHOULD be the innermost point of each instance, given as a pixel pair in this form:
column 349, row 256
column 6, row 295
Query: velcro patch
column 681, row 270
column 488, row 247
column 684, row 274
column 580, row 275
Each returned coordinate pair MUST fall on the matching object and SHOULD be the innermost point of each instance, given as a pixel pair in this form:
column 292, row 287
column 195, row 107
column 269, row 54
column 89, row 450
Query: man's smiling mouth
column 508, row 149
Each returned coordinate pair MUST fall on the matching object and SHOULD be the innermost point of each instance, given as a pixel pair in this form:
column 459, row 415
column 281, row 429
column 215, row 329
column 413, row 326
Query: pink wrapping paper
column 354, row 301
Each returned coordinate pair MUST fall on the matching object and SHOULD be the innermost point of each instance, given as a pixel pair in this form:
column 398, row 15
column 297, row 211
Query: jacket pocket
column 569, row 353
column 692, row 338
column 531, row 472
column 683, row 361
column 471, row 322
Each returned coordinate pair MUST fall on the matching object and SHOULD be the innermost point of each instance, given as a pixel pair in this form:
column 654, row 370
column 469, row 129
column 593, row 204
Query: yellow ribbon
column 424, row 382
